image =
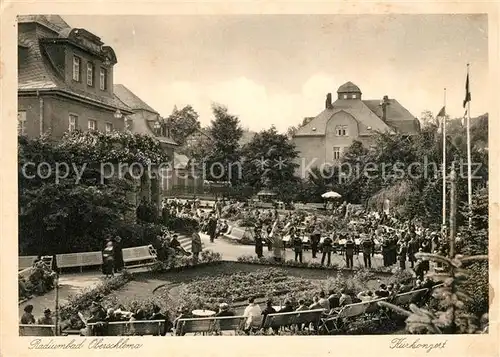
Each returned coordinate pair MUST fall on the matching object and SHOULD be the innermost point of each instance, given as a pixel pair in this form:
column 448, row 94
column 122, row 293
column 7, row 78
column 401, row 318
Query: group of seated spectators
column 40, row 280
column 254, row 314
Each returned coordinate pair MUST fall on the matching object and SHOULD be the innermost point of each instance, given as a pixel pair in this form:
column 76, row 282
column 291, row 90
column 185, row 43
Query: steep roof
column 397, row 116
column 53, row 22
column 36, row 73
column 361, row 113
column 130, row 99
column 348, row 87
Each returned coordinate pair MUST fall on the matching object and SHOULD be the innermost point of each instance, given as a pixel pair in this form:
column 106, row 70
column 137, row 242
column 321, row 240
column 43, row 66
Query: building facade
column 65, row 79
column 323, row 139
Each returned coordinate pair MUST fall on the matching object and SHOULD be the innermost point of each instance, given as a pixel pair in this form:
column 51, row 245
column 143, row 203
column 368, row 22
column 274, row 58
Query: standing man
column 118, row 254
column 367, row 246
column 349, row 252
column 403, row 249
column 327, row 250
column 196, row 246
column 315, row 239
column 258, row 240
column 212, row 227
column 297, row 246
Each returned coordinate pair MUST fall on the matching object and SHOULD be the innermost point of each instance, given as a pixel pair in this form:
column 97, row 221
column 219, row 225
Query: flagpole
column 469, row 161
column 443, row 121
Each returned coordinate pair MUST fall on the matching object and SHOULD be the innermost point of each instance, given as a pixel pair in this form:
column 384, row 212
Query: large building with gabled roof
column 65, row 79
column 323, row 139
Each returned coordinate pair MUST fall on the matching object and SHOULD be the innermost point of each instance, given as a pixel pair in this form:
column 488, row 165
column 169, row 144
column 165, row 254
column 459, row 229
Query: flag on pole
column 442, row 112
column 467, row 92
column 464, row 117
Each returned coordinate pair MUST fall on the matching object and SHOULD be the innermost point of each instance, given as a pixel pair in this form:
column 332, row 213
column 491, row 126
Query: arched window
column 341, row 130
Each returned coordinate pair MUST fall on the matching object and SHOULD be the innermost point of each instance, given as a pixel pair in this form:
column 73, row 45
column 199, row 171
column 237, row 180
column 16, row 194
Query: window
column 336, row 153
column 353, row 96
column 73, row 122
column 76, row 68
column 345, row 96
column 21, row 123
column 92, row 125
column 341, row 130
column 90, row 74
column 109, row 127
column 102, row 79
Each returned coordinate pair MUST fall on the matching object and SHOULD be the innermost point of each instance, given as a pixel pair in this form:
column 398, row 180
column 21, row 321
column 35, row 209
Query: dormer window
column 76, row 68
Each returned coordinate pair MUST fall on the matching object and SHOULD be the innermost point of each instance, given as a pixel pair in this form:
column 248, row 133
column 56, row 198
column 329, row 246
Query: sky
column 277, row 69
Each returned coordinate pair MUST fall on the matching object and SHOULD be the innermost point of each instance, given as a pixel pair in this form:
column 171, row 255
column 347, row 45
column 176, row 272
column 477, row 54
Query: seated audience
column 28, row 318
column 365, row 296
column 382, row 291
column 224, row 310
column 325, row 304
column 315, row 305
column 253, row 316
column 344, row 299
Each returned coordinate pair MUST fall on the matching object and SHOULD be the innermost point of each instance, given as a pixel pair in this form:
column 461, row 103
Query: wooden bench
column 127, row 328
column 139, row 254
column 346, row 312
column 73, row 260
column 407, row 298
column 277, row 320
column 25, row 261
column 37, row 330
column 209, row 324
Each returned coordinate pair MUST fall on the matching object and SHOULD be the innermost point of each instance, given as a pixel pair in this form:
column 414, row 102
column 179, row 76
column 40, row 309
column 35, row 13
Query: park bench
column 25, row 273
column 347, row 312
column 209, row 324
column 37, row 330
column 145, row 253
column 26, row 261
column 406, row 298
column 128, row 328
column 74, row 260
column 306, row 317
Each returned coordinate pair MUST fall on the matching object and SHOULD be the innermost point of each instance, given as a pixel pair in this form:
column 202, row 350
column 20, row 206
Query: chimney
column 328, row 103
column 384, row 104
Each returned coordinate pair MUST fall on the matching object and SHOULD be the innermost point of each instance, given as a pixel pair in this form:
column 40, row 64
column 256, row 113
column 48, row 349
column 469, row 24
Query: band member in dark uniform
column 315, row 239
column 367, row 246
column 327, row 250
column 349, row 252
column 297, row 246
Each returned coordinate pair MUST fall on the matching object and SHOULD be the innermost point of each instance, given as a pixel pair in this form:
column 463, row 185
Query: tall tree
column 223, row 160
column 183, row 123
column 269, row 162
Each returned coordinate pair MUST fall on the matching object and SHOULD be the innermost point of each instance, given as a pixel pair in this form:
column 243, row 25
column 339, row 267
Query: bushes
column 176, row 262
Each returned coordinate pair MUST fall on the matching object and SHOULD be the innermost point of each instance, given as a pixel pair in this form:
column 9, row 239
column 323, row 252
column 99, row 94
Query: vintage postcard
column 222, row 179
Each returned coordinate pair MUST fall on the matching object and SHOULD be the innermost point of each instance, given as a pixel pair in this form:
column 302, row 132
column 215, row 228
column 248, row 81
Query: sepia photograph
column 252, row 175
